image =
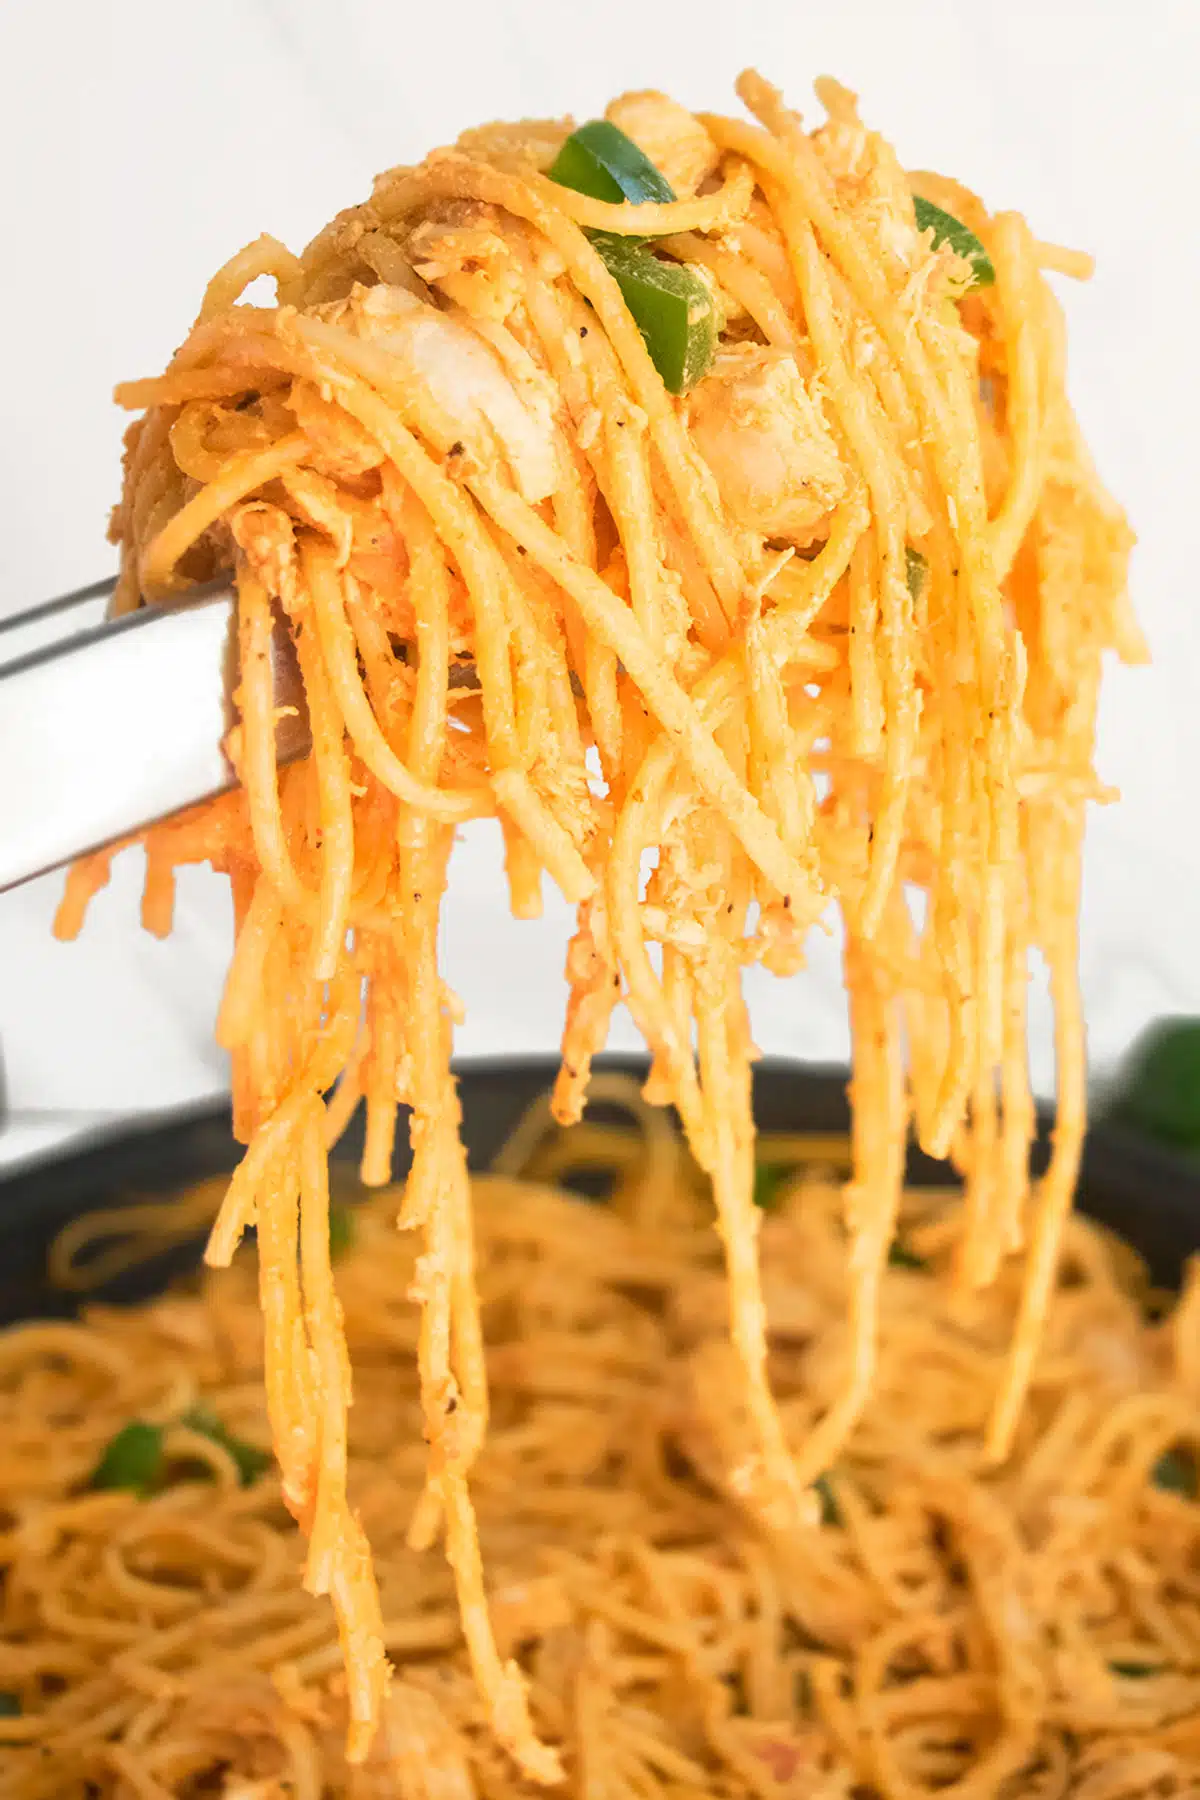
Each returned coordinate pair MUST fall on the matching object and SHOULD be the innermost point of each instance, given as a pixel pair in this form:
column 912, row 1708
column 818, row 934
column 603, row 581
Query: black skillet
column 1147, row 1195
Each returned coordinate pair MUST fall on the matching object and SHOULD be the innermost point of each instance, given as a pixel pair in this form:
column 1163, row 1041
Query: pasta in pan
column 945, row 1626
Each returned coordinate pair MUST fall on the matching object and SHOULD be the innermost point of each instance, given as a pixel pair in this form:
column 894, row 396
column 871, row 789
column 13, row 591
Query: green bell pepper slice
column 671, row 307
column 601, row 161
column 947, row 229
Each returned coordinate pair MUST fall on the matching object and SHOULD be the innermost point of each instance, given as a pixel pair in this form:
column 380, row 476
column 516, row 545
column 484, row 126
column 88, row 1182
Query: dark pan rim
column 1148, row 1195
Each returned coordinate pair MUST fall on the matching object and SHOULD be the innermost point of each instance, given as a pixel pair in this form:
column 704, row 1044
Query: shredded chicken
column 868, row 174
column 764, row 436
column 473, row 256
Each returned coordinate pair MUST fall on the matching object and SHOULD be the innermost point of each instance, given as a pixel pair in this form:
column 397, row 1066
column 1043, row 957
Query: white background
column 142, row 141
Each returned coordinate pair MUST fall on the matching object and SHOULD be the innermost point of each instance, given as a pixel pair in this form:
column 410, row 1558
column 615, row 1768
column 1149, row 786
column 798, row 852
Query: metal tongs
column 108, row 725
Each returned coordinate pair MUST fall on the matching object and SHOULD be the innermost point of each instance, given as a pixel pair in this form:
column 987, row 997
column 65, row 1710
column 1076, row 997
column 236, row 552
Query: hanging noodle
column 946, row 1626
column 826, row 632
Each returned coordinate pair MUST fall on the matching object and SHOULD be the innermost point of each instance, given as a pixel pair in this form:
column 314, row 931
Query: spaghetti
column 825, row 629
column 946, row 1627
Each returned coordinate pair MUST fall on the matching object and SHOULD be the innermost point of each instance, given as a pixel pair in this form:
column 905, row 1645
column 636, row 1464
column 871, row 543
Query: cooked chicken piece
column 675, row 141
column 470, row 396
column 471, row 257
column 764, row 436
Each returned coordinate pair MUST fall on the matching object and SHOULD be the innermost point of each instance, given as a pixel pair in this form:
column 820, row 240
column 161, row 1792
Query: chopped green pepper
column 672, row 308
column 1175, row 1473
column 768, row 1178
column 251, row 1461
column 133, row 1459
column 831, row 1512
column 10, row 1706
column 1133, row 1671
column 136, row 1458
column 342, row 1227
column 901, row 1257
column 601, row 161
column 947, row 229
column 1158, row 1086
column 916, row 571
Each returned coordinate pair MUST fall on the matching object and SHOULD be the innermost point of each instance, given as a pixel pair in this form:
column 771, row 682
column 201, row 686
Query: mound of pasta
column 945, row 1627
column 700, row 500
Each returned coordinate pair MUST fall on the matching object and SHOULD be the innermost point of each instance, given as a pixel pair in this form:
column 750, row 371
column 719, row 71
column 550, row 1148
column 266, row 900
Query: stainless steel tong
column 108, row 725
